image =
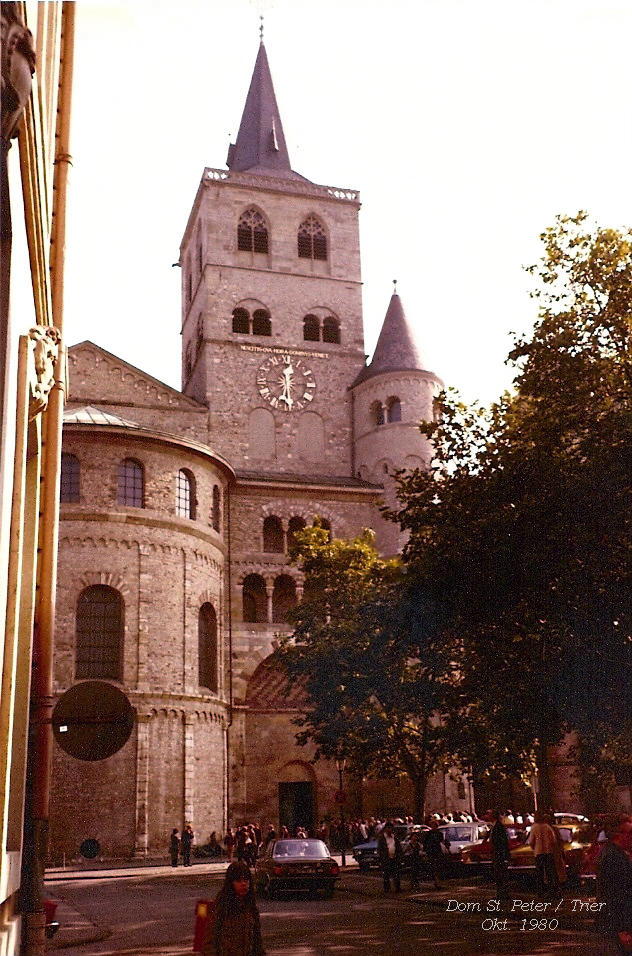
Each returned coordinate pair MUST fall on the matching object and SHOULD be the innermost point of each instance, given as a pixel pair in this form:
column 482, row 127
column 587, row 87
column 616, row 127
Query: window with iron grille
column 331, row 330
column 252, row 232
column 70, row 472
column 261, row 322
column 311, row 328
column 131, row 483
column 312, row 239
column 207, row 647
column 241, row 321
column 99, row 629
column 185, row 494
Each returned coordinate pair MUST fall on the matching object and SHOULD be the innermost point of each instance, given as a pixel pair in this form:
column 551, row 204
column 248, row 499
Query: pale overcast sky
column 465, row 124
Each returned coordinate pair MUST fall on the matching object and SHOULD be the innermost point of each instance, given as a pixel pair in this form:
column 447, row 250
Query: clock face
column 286, row 383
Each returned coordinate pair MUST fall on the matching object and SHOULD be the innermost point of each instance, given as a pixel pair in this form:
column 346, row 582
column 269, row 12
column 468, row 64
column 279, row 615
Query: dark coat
column 614, row 888
column 500, row 843
column 382, row 850
column 433, row 843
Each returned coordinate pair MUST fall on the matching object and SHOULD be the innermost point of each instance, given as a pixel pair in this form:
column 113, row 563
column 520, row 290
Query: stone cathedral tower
column 179, row 508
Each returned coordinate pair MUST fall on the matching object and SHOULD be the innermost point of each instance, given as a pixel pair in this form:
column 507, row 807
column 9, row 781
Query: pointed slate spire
column 396, row 350
column 260, row 145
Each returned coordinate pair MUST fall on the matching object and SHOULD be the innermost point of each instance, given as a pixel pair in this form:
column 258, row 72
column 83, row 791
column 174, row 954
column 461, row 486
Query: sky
column 467, row 126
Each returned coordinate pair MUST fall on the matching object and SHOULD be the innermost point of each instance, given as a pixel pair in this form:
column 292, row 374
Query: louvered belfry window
column 252, row 232
column 312, row 240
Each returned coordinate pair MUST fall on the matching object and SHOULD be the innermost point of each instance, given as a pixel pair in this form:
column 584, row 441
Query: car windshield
column 457, row 833
column 312, row 849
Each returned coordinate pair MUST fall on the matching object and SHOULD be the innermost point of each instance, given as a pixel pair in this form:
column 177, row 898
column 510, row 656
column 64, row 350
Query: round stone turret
column 391, row 396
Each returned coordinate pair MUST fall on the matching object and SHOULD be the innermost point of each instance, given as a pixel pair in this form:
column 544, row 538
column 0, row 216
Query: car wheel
column 329, row 892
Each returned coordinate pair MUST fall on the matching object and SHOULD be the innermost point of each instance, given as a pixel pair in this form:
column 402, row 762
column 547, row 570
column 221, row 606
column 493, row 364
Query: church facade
column 178, row 508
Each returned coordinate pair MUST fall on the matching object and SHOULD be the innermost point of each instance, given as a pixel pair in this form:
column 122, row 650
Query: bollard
column 204, row 915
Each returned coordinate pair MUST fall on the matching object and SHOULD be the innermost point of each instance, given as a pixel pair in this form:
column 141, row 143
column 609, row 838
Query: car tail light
column 278, row 870
column 334, row 869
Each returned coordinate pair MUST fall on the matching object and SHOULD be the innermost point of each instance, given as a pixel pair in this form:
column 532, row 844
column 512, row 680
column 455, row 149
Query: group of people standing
column 427, row 847
column 180, row 845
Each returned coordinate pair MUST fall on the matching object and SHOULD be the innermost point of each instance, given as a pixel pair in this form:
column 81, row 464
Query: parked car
column 296, row 865
column 575, row 839
column 458, row 835
column 51, row 926
column 366, row 853
column 570, row 819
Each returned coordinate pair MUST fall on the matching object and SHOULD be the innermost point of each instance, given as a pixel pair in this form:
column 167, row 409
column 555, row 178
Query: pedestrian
column 236, row 927
column 186, row 842
column 229, row 844
column 433, row 846
column 416, row 850
column 213, row 845
column 389, row 851
column 543, row 839
column 500, row 855
column 174, row 846
column 270, row 836
column 614, row 885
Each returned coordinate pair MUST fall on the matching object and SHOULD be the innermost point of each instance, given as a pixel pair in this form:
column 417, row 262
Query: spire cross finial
column 394, row 286
column 261, row 28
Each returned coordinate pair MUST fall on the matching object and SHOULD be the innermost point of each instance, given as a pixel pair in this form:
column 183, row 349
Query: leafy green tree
column 519, row 536
column 379, row 692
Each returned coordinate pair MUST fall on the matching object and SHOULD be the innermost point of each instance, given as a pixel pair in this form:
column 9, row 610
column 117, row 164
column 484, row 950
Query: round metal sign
column 89, row 849
column 92, row 720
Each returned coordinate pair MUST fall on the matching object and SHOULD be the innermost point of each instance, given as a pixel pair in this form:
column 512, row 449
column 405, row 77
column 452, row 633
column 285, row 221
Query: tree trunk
column 419, row 782
column 545, row 792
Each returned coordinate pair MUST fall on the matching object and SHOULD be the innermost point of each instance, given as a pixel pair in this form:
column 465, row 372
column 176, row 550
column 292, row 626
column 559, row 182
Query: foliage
column 520, row 533
column 380, row 693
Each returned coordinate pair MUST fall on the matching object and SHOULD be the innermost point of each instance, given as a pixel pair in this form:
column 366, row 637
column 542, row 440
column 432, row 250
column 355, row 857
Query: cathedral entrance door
column 296, row 805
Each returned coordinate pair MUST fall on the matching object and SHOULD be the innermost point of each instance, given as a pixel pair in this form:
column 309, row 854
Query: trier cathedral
column 177, row 507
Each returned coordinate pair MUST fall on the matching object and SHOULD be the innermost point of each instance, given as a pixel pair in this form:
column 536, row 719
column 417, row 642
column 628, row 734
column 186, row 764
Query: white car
column 458, row 835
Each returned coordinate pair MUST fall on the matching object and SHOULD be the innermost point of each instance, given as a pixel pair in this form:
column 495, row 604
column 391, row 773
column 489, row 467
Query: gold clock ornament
column 286, row 383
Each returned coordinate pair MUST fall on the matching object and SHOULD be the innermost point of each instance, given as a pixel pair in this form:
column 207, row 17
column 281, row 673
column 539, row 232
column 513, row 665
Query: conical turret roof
column 261, row 146
column 396, row 350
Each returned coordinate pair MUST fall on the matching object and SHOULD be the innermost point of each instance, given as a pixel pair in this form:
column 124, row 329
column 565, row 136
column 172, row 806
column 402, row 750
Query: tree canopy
column 522, row 527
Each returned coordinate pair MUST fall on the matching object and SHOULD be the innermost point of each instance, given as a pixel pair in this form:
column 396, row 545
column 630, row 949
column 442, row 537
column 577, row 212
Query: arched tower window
column 207, row 647
column 293, row 526
column 312, row 239
column 99, row 633
column 241, row 321
column 283, row 598
column 185, row 494
column 331, row 330
column 252, row 232
column 393, row 410
column 216, row 514
column 273, row 538
column 131, row 484
column 70, row 474
column 377, row 413
column 311, row 328
column 255, row 599
column 261, row 322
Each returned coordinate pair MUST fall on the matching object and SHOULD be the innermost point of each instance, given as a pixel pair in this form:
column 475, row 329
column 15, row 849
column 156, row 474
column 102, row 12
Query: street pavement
column 149, row 911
